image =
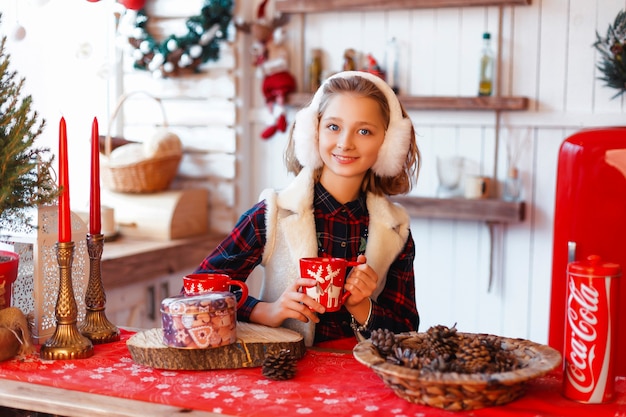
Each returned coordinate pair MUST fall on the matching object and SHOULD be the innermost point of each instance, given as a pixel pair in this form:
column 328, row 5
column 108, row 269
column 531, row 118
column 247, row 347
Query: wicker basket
column 455, row 391
column 146, row 176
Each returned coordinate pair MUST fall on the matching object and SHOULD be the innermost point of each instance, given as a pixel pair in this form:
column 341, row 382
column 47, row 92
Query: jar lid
column 209, row 301
column 594, row 266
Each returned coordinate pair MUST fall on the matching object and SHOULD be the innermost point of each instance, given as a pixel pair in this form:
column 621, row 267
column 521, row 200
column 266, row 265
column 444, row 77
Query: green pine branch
column 25, row 170
column 612, row 49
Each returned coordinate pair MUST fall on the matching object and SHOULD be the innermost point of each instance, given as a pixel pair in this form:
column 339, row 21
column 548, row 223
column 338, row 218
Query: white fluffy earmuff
column 398, row 136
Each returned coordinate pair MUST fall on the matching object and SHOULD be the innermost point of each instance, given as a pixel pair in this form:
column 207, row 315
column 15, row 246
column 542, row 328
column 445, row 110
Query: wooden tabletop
column 62, row 402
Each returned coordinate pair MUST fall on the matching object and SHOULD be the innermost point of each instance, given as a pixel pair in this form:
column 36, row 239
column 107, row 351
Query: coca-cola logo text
column 582, row 306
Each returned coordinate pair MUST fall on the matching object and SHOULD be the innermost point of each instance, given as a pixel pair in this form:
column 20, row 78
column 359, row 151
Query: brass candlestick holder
column 96, row 327
column 66, row 342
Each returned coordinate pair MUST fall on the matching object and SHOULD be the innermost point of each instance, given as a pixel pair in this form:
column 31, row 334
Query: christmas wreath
column 180, row 55
column 612, row 50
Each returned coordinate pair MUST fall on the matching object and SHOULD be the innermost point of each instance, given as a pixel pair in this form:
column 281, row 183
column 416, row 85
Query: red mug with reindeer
column 330, row 274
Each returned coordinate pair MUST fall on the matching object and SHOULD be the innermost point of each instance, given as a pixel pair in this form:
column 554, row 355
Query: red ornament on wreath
column 271, row 59
column 132, row 4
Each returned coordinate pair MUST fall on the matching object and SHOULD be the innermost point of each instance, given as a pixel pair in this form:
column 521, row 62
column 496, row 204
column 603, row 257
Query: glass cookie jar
column 208, row 320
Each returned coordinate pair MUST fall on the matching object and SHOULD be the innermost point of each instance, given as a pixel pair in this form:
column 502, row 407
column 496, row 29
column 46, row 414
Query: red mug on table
column 196, row 284
column 330, row 274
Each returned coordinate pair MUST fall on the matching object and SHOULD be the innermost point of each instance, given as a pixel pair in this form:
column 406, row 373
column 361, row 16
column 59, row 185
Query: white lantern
column 37, row 286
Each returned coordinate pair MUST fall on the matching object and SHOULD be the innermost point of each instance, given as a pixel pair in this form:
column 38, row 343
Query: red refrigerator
column 590, row 219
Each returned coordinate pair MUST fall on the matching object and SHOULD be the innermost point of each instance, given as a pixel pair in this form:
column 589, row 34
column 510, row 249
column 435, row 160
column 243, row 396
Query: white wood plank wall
column 546, row 56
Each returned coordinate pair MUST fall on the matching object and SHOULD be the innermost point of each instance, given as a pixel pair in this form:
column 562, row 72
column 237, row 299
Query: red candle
column 94, row 197
column 65, row 224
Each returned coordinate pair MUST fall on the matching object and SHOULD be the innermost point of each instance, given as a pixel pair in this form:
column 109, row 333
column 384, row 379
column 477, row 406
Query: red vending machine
column 590, row 219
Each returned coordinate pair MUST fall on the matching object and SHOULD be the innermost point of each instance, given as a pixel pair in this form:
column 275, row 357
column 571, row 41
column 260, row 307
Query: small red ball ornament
column 133, row 4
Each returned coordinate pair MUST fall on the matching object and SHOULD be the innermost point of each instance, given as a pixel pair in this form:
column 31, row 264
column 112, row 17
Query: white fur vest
column 291, row 235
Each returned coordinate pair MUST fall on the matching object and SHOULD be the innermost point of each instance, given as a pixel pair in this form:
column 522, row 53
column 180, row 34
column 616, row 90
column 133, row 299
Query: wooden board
column 166, row 215
column 254, row 342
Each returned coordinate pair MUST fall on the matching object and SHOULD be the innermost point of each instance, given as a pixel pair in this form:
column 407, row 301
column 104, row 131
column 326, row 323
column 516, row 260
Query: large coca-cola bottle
column 590, row 330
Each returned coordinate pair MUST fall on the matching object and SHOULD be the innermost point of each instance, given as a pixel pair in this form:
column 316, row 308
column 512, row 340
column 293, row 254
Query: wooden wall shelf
column 310, row 6
column 440, row 102
column 485, row 210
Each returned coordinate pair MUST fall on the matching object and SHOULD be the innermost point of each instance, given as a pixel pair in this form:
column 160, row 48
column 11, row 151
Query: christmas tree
column 25, row 170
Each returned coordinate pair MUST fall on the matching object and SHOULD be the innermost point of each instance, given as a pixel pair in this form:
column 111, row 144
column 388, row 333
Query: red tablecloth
column 327, row 383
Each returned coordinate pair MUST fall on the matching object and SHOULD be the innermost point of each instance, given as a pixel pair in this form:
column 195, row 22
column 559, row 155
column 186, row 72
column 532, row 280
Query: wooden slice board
column 254, row 342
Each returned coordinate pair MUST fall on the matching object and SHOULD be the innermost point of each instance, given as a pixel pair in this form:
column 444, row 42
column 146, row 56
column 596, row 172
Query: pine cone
column 438, row 363
column 279, row 366
column 443, row 340
column 473, row 355
column 384, row 340
column 505, row 361
column 405, row 357
column 419, row 344
column 441, row 332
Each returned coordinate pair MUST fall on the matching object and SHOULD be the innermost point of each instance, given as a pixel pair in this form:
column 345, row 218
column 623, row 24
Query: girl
column 350, row 148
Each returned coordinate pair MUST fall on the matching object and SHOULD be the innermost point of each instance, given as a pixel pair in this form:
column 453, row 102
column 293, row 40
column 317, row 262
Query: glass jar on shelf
column 512, row 186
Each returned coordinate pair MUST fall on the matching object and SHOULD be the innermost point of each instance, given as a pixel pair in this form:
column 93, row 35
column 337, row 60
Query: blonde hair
column 360, row 86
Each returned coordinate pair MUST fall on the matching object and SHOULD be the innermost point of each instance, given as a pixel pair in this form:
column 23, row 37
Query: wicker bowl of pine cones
column 451, row 370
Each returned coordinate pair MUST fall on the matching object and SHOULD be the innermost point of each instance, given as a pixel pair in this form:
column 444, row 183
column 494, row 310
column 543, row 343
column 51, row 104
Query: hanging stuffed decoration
column 181, row 55
column 271, row 59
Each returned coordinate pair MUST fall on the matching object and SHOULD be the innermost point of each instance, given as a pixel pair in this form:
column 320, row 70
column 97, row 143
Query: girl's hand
column 292, row 303
column 361, row 283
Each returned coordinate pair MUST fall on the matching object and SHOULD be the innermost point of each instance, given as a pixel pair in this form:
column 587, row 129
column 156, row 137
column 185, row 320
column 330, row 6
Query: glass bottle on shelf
column 512, row 186
column 391, row 64
column 315, row 70
column 486, row 74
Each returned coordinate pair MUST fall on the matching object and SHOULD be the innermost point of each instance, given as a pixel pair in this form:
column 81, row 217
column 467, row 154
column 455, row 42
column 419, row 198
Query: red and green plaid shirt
column 341, row 232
